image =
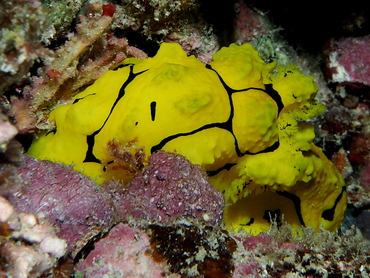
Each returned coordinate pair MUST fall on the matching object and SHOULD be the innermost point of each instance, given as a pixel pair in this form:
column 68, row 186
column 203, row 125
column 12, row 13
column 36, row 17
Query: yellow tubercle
column 236, row 117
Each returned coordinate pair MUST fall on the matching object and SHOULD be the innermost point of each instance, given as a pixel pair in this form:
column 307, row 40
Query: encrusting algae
column 240, row 119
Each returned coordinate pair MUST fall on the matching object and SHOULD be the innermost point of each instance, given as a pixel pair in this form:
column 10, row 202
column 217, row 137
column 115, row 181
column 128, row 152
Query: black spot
column 153, row 105
column 245, row 184
column 136, row 123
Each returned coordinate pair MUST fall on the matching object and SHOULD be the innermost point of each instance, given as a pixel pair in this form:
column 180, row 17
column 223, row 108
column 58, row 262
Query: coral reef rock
column 194, row 251
column 125, row 252
column 71, row 202
column 348, row 60
column 171, row 187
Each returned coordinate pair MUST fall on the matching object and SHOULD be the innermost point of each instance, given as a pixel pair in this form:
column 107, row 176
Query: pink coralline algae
column 125, row 252
column 196, row 44
column 171, row 187
column 70, row 201
column 349, row 60
column 248, row 24
column 346, row 123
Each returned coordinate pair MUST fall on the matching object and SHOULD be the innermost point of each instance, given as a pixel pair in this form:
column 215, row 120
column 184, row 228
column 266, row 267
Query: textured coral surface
column 125, row 252
column 69, row 200
column 195, row 250
column 170, row 188
column 348, row 60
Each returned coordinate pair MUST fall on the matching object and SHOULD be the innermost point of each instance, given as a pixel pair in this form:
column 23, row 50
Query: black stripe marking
column 297, row 204
column 329, row 213
column 227, row 166
column 51, row 131
column 275, row 96
column 90, row 139
column 78, row 99
column 227, row 125
column 153, row 105
column 122, row 66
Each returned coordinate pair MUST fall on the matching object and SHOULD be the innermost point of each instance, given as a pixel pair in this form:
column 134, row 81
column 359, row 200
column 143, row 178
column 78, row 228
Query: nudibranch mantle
column 240, row 119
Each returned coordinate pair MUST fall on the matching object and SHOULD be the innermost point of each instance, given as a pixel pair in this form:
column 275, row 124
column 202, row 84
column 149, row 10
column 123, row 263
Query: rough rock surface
column 70, row 201
column 171, row 187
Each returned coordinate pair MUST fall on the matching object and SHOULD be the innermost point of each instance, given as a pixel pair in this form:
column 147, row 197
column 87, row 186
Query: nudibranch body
column 242, row 120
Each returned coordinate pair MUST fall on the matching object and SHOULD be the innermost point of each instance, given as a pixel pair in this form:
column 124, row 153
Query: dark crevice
column 308, row 27
column 138, row 40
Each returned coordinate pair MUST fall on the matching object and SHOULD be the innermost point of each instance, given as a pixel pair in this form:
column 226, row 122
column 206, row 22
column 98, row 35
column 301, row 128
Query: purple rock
column 76, row 206
column 172, row 188
column 348, row 60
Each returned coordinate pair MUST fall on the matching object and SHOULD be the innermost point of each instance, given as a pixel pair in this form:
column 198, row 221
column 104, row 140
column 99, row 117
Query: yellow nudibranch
column 241, row 120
